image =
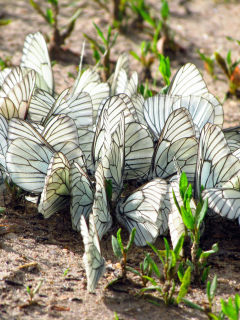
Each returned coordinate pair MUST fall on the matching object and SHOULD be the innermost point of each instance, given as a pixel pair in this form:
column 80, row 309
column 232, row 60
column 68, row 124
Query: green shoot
column 102, row 51
column 121, row 252
column 166, row 285
column 32, row 293
column 145, row 270
column 208, row 62
column 231, row 310
column 231, row 70
column 164, row 68
column 65, row 272
column 193, row 224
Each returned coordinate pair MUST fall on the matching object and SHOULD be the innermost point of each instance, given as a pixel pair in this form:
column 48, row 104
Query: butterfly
column 143, row 210
column 94, row 262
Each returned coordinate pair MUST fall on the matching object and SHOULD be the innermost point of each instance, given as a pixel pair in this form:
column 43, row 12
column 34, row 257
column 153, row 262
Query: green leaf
column 202, row 213
column 213, row 288
column 205, row 274
column 156, row 251
column 229, row 310
column 115, row 316
column 175, row 201
column 146, row 16
column 119, row 239
column 152, row 288
column 100, row 33
column 28, row 291
column 49, row 16
column 189, row 264
column 116, row 248
column 166, row 247
column 165, row 10
column 154, row 266
column 108, row 184
column 188, row 218
column 229, row 59
column 114, row 39
column 185, row 285
column 206, row 254
column 214, row 316
column 145, row 263
column 130, row 269
column 179, row 245
column 192, row 305
column 188, row 193
column 136, row 57
column 237, row 302
column 131, row 239
column 180, row 271
column 109, row 33
column 153, row 282
column 183, row 184
column 4, row 22
column 2, row 209
column 233, row 39
column 208, row 291
column 65, row 272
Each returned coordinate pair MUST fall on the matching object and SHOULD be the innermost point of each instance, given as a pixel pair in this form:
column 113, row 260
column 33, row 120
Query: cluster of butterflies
column 65, row 148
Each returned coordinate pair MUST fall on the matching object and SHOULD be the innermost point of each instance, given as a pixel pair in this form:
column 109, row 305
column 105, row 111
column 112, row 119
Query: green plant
column 145, row 91
column 230, row 310
column 193, row 224
column 5, row 63
column 146, row 59
column 208, row 62
column 164, row 68
column 65, row 272
column 231, row 70
column 121, row 252
column 166, row 285
column 32, row 293
column 145, row 270
column 51, row 17
column 4, row 22
column 103, row 51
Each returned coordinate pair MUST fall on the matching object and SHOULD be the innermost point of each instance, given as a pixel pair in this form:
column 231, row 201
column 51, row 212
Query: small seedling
column 146, row 59
column 208, row 62
column 121, row 251
column 230, row 310
column 164, row 68
column 193, row 224
column 231, row 70
column 145, row 270
column 32, row 293
column 103, row 51
column 65, row 272
column 58, row 39
column 166, row 285
column 145, row 91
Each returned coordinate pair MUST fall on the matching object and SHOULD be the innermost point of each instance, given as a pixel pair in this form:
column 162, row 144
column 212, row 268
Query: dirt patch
column 32, row 248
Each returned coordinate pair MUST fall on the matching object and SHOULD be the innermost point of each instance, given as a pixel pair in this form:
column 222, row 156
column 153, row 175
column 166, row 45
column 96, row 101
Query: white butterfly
column 177, row 140
column 16, row 93
column 81, row 195
column 101, row 210
column 122, row 64
column 56, row 191
column 35, row 56
column 143, row 210
column 94, row 262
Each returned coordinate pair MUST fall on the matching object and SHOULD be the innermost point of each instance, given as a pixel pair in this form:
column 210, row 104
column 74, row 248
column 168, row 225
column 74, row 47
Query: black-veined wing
column 40, row 105
column 87, row 77
column 82, row 194
column 113, row 161
column 201, row 110
column 138, row 150
column 215, row 163
column 56, row 191
column 27, row 163
column 232, row 135
column 94, row 262
column 142, row 210
column 16, row 93
column 187, row 81
column 129, row 87
column 156, row 111
column 122, row 63
column 3, row 74
column 175, row 221
column 224, row 201
column 35, row 56
column 101, row 211
column 58, row 107
column 218, row 108
column 138, row 101
column 177, row 140
column 3, row 141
